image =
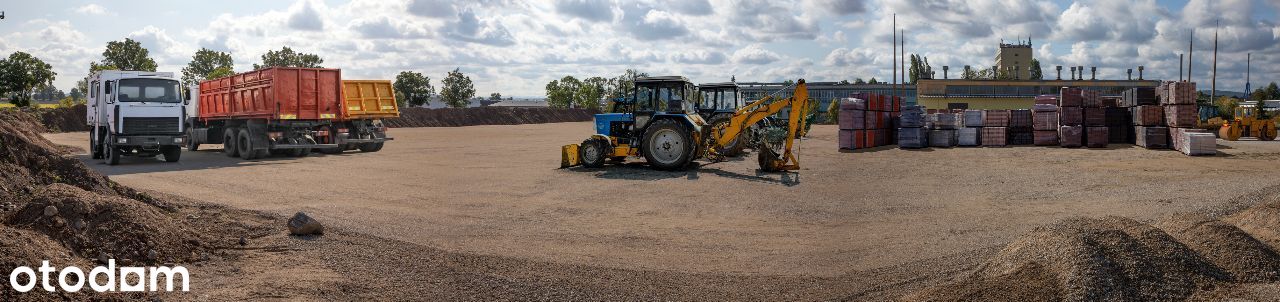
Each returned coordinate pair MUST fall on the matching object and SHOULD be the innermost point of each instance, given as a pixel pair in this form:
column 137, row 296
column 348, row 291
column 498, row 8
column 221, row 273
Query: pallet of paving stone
column 1181, row 116
column 1044, row 108
column 1045, row 120
column 1047, row 99
column 852, row 119
column 969, row 136
column 995, row 118
column 973, row 118
column 1070, row 97
column 1070, row 116
column 1181, row 93
column 913, row 138
column 1191, row 141
column 942, row 138
column 853, row 104
column 846, row 140
column 912, row 117
column 1045, row 138
column 1090, row 99
column 1020, row 118
column 1071, row 136
column 1111, row 101
column 1151, row 137
column 1095, row 117
column 1148, row 115
column 1120, row 134
column 1140, row 96
column 1117, row 116
column 1097, row 137
column 1021, row 136
column 949, row 121
column 995, row 136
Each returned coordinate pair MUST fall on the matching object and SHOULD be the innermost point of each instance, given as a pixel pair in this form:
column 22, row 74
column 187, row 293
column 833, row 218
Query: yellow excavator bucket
column 569, row 156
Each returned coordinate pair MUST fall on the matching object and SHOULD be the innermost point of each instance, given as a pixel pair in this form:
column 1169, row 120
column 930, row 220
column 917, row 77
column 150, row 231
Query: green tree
column 859, row 81
column 873, row 81
column 561, row 93
column 919, row 69
column 203, row 64
column 76, row 94
column 590, row 92
column 1226, row 106
column 413, row 88
column 220, row 72
column 624, row 84
column 124, row 55
column 286, row 57
column 21, row 75
column 969, row 74
column 843, row 82
column 1273, row 92
column 458, row 90
column 495, row 96
column 1037, row 73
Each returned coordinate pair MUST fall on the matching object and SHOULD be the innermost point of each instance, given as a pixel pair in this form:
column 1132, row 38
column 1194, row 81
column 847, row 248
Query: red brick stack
column 866, row 121
column 1070, row 117
column 1020, row 127
column 1044, row 121
column 994, row 136
column 1097, row 137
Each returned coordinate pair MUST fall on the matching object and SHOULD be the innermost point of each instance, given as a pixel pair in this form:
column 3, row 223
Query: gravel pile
column 456, row 117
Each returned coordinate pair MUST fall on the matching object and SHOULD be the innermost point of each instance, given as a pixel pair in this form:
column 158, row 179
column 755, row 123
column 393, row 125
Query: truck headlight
column 122, row 140
column 177, row 140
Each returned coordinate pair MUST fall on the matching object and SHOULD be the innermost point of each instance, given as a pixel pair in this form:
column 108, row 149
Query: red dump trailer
column 279, row 110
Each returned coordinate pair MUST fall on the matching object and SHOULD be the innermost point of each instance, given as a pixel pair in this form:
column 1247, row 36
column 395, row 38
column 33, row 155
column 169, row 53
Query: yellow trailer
column 369, row 99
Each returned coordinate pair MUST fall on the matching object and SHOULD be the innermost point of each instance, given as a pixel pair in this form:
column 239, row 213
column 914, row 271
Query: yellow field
column 7, row 105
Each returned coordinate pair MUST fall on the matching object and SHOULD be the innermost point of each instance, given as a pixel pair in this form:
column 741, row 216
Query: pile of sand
column 1119, row 259
column 54, row 119
column 456, row 117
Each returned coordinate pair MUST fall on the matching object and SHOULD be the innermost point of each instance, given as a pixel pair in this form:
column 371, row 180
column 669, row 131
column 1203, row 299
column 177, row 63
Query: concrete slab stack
column 1020, row 121
column 1148, row 115
column 1119, row 125
column 943, row 138
column 1070, row 117
column 911, row 131
column 1156, row 137
column 969, row 136
column 1193, row 141
column 995, row 136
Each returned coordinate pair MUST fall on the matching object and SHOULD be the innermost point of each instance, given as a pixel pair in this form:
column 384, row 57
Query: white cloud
column 92, row 9
column 304, row 16
column 469, row 28
column 755, row 54
column 592, row 10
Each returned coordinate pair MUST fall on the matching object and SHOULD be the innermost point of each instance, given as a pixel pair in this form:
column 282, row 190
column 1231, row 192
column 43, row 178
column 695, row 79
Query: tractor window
column 665, row 95
column 709, row 98
column 644, row 98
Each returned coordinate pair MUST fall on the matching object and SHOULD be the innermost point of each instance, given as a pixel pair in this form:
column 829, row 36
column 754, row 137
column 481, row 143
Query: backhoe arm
column 759, row 110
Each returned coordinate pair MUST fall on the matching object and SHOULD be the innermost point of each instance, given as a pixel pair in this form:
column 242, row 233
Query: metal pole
column 1248, row 61
column 893, row 81
column 1191, row 48
column 1181, row 60
column 1213, row 83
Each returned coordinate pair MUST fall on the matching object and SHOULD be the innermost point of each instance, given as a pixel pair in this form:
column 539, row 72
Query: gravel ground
column 862, row 226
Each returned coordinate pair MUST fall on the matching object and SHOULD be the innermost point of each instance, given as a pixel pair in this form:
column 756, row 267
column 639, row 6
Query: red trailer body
column 278, row 93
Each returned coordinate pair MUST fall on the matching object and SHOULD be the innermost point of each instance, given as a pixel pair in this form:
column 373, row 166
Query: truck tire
column 667, row 145
column 191, row 144
column 171, row 153
column 113, row 155
column 229, row 142
column 370, row 147
column 305, row 152
column 593, row 152
column 244, row 145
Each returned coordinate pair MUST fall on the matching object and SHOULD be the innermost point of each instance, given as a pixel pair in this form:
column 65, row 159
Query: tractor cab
column 718, row 99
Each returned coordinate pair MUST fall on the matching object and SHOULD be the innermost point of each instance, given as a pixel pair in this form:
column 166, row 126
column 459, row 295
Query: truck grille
column 150, row 125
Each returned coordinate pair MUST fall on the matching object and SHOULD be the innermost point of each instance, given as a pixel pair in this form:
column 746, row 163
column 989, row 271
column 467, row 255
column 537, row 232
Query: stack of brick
column 1020, row 130
column 1148, row 118
column 867, row 121
column 1044, row 122
column 1070, row 117
column 1095, row 116
column 972, row 131
column 911, row 131
column 942, row 132
column 1193, row 142
column 1149, row 137
column 1119, row 125
column 995, row 128
column 1097, row 137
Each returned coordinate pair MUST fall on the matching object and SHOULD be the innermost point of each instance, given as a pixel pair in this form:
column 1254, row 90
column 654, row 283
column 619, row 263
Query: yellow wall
column 978, row 103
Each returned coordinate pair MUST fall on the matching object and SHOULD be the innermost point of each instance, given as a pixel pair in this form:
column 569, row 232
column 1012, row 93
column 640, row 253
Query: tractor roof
column 718, row 85
column 661, row 79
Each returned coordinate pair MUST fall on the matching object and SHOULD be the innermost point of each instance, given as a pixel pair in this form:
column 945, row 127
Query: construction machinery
column 716, row 103
column 661, row 126
column 1250, row 121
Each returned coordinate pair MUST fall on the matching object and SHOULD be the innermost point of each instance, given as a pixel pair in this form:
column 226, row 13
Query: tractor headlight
column 122, row 140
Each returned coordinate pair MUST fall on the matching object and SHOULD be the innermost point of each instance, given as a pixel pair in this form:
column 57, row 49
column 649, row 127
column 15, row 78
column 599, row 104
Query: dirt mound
column 95, row 224
column 1081, row 259
column 28, row 159
column 64, row 119
column 1225, row 246
column 1261, row 221
column 456, row 117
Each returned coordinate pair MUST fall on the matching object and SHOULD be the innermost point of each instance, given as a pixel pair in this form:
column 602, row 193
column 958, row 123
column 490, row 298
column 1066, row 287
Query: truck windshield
column 149, row 90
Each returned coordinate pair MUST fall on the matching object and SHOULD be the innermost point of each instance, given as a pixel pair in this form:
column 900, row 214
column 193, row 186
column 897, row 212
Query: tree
column 873, row 81
column 124, row 55
column 83, row 86
column 286, row 57
column 1273, row 92
column 969, row 74
column 21, row 75
column 495, row 96
column 76, row 94
column 843, row 82
column 560, row 93
column 413, row 88
column 220, row 72
column 457, row 91
column 859, row 81
column 1226, row 106
column 624, row 84
column 591, row 92
column 1036, row 72
column 204, row 63
column 919, row 69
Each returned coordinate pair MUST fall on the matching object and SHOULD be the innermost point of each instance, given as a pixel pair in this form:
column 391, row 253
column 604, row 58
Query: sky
column 515, row 47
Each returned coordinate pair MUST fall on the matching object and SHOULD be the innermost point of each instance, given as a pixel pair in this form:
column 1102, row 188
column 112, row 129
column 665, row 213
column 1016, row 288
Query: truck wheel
column 171, row 153
column 370, row 147
column 667, row 145
column 305, row 152
column 289, row 152
column 192, row 145
column 229, row 142
column 113, row 155
column 244, row 145
column 593, row 152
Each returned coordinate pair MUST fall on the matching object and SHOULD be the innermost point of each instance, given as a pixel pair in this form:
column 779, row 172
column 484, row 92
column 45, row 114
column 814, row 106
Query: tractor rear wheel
column 593, row 152
column 668, row 145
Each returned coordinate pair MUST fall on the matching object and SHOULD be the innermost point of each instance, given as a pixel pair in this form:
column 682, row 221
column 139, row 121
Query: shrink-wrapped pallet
column 1148, row 115
column 1181, row 93
column 1045, row 121
column 1091, row 99
column 912, row 117
column 996, row 118
column 1095, row 117
column 1071, row 136
column 1070, row 97
column 1191, row 141
column 942, row 138
column 1021, row 136
column 1140, row 96
column 1047, row 99
column 853, row 104
column 949, row 121
column 969, row 136
column 973, row 118
column 1097, row 137
column 912, row 138
column 1181, row 116
column 995, row 136
column 1045, row 138
column 1020, row 118
column 1070, row 116
column 1152, row 137
column 1044, row 108
column 852, row 119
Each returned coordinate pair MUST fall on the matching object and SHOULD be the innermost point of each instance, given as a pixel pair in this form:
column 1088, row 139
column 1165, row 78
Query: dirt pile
column 456, row 117
column 1119, row 259
column 28, row 160
column 64, row 119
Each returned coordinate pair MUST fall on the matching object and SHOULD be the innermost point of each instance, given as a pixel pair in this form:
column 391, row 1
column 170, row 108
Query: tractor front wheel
column 593, row 152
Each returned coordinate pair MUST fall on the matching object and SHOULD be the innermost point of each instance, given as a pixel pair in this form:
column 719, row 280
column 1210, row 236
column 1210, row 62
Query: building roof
column 520, row 103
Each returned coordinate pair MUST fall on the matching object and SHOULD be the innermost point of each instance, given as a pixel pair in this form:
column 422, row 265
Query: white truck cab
column 135, row 113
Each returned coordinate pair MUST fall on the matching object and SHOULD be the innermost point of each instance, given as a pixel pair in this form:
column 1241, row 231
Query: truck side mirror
column 107, row 91
column 186, row 98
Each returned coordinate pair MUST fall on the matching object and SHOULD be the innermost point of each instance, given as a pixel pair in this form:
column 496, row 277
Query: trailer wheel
column 113, row 155
column 667, row 145
column 171, row 153
column 307, row 151
column 229, row 142
column 370, row 147
column 244, row 145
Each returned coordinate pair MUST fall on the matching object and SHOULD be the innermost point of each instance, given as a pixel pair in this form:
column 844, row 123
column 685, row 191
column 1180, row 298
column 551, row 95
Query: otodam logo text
column 100, row 279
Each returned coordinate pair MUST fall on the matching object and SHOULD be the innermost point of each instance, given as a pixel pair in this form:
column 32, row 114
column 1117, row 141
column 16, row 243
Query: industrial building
column 1008, row 94
column 824, row 92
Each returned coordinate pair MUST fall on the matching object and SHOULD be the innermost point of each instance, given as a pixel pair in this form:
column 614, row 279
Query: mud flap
column 569, row 156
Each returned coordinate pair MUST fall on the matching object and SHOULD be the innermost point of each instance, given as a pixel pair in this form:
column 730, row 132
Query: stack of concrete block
column 1140, row 96
column 943, row 127
column 1148, row 115
column 969, row 136
column 911, row 131
column 973, row 118
column 1070, row 117
column 995, row 136
column 1090, row 99
column 1193, row 141
column 996, row 118
column 1044, row 122
column 867, row 121
column 1097, row 137
column 1119, row 125
column 943, row 138
column 1047, row 99
column 1095, row 117
column 1152, row 137
column 852, row 120
column 1020, row 127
